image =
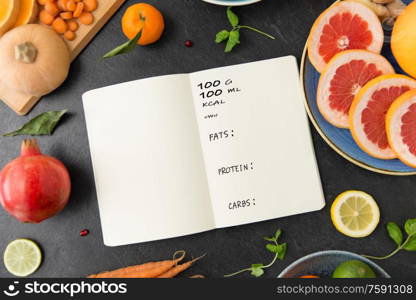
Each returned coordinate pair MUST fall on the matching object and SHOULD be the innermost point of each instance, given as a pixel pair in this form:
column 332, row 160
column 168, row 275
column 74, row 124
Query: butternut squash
column 28, row 12
column 34, row 60
column 9, row 11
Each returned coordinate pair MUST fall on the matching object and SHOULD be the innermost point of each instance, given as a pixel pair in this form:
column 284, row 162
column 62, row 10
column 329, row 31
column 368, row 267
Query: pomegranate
column 34, row 187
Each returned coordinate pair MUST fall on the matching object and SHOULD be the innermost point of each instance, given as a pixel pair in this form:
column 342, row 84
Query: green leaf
column 233, row 40
column 124, row 48
column 278, row 234
column 395, row 233
column 282, row 251
column 272, row 248
column 411, row 244
column 43, row 124
column 410, row 226
column 232, row 17
column 257, row 270
column 269, row 239
column 222, row 36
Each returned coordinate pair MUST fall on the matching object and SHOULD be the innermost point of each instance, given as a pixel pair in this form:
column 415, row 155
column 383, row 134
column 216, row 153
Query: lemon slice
column 355, row 214
column 22, row 257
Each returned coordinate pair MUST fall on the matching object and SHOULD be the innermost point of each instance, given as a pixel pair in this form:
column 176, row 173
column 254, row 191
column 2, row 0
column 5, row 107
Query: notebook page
column 147, row 160
column 255, row 137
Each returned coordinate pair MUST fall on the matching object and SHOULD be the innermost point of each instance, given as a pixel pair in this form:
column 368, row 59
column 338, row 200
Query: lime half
column 22, row 257
column 353, row 269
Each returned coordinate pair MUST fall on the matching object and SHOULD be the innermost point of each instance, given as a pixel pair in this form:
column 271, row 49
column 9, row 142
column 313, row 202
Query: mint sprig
column 233, row 36
column 396, row 234
column 279, row 251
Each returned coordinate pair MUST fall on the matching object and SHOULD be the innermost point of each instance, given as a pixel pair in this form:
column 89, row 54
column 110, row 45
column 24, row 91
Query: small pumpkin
column 34, row 60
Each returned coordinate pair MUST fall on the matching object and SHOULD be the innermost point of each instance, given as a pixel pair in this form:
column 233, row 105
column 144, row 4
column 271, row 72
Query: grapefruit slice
column 344, row 76
column 343, row 26
column 368, row 113
column 401, row 127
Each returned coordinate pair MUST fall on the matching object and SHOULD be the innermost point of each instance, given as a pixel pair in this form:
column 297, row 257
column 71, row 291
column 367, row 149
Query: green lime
column 353, row 269
column 22, row 257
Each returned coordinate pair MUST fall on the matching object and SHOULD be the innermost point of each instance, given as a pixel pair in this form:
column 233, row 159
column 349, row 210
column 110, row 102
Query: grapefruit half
column 343, row 26
column 341, row 80
column 401, row 127
column 368, row 113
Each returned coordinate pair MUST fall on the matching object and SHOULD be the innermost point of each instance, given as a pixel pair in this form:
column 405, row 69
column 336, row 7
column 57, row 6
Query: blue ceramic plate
column 324, row 263
column 340, row 139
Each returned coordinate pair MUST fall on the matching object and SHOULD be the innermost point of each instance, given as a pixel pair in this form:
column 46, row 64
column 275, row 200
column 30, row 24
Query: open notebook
column 180, row 154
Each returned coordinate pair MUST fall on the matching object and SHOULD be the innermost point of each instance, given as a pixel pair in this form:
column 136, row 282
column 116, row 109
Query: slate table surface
column 66, row 254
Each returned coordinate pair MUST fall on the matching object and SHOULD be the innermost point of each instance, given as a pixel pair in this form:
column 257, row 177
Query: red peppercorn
column 84, row 232
column 189, row 44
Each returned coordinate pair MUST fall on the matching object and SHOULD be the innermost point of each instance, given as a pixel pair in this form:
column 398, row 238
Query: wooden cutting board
column 22, row 103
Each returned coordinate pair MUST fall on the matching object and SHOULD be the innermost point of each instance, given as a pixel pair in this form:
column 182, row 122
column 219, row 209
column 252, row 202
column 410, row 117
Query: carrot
column 90, row 5
column 86, row 18
column 71, row 5
column 60, row 25
column 73, row 25
column 179, row 268
column 79, row 9
column 45, row 17
column 70, row 35
column 66, row 15
column 147, row 270
column 52, row 8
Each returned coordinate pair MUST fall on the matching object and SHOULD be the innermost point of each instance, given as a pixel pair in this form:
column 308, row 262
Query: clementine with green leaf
column 145, row 18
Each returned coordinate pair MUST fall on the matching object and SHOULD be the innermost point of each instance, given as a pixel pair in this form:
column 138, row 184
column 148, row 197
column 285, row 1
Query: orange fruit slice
column 346, row 73
column 368, row 113
column 143, row 17
column 403, row 39
column 401, row 127
column 343, row 26
column 28, row 12
column 9, row 10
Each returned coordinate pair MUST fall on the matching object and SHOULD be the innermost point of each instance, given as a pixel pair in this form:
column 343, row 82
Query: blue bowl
column 324, row 263
column 340, row 139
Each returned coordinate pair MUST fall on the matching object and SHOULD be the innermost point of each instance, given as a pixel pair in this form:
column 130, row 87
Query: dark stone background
column 66, row 254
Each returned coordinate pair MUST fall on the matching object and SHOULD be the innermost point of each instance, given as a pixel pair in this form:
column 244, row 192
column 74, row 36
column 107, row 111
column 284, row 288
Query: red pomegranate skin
column 34, row 187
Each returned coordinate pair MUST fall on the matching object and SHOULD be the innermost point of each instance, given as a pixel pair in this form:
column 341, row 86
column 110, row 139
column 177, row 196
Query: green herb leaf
column 395, row 233
column 124, row 48
column 43, row 124
column 233, row 40
column 282, row 251
column 222, row 36
column 277, row 234
column 272, row 248
column 410, row 226
column 232, row 17
column 257, row 270
column 410, row 244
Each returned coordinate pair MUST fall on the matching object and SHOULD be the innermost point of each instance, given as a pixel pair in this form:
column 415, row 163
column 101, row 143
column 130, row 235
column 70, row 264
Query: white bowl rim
column 320, row 253
column 229, row 3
